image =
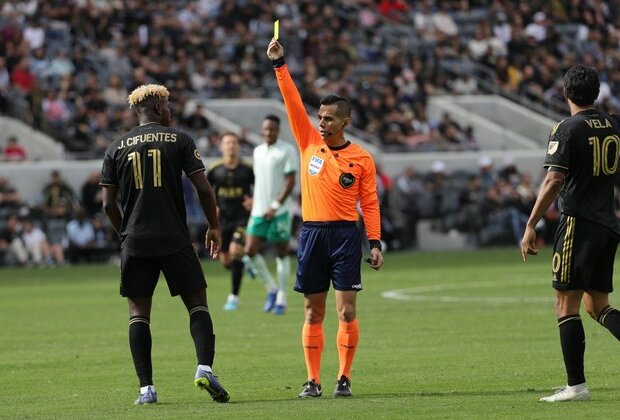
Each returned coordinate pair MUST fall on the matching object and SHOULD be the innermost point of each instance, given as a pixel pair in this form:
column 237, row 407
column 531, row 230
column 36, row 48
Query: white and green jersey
column 271, row 165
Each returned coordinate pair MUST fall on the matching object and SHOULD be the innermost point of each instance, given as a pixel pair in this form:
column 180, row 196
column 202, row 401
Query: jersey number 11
column 136, row 163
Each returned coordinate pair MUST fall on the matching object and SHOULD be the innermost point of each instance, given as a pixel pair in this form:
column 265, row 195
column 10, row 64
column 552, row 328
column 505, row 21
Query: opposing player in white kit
column 275, row 166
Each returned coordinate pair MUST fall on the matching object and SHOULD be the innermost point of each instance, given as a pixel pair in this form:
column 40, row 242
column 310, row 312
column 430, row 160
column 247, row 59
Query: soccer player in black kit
column 232, row 181
column 582, row 159
column 144, row 167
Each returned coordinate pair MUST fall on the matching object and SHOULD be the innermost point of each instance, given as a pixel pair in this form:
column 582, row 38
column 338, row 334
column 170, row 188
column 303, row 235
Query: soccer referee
column 335, row 175
column 582, row 160
column 144, row 167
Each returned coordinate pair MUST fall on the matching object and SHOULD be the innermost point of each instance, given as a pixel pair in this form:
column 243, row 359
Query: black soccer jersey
column 230, row 186
column 586, row 148
column 146, row 166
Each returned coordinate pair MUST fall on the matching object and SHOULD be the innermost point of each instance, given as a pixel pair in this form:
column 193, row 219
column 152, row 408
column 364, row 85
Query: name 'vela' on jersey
column 586, row 148
column 146, row 165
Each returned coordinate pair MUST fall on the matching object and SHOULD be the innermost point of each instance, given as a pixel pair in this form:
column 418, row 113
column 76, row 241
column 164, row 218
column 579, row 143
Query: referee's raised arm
column 303, row 130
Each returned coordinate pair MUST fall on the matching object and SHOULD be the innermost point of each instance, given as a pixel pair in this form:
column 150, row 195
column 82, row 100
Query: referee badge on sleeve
column 553, row 147
column 315, row 165
column 346, row 180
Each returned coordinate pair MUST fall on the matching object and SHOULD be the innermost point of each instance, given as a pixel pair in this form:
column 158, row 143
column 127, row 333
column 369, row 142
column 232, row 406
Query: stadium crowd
column 67, row 65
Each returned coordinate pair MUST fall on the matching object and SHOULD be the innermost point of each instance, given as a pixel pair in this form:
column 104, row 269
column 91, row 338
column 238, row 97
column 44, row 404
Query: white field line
column 417, row 294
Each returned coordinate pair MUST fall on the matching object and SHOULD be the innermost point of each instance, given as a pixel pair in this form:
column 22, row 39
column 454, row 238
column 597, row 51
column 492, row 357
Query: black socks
column 573, row 340
column 140, row 345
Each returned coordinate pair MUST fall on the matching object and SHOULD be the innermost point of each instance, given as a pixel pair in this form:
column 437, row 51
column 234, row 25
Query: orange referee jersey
column 332, row 180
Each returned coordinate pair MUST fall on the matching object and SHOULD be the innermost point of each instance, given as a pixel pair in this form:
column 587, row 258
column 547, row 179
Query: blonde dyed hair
column 143, row 92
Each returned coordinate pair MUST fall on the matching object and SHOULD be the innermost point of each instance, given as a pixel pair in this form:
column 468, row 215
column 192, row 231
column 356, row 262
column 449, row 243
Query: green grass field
column 473, row 336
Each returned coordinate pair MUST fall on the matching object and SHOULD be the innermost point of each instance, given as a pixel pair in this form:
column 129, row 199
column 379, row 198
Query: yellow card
column 276, row 29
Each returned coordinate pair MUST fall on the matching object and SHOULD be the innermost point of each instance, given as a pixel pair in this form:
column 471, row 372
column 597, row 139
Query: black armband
column 374, row 243
column 278, row 62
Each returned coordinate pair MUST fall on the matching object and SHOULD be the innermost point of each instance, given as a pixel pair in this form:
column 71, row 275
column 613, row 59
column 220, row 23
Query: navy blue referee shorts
column 329, row 251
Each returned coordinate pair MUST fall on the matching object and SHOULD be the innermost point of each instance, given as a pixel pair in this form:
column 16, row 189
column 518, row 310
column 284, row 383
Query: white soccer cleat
column 569, row 393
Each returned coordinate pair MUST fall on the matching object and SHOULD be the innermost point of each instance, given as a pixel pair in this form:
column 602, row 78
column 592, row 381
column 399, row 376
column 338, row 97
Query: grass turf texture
column 450, row 353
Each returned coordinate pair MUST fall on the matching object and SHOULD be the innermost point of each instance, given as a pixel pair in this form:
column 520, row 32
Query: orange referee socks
column 312, row 340
column 348, row 336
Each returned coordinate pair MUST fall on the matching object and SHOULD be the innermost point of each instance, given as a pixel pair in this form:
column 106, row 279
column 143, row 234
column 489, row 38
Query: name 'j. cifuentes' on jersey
column 147, row 138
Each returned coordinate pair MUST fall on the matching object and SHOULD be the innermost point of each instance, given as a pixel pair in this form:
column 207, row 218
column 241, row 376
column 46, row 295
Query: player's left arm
column 369, row 202
column 206, row 197
column 110, row 206
column 195, row 171
column 549, row 190
column 109, row 189
column 557, row 162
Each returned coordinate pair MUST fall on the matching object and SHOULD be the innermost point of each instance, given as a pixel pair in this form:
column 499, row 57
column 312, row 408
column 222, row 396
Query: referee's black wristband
column 278, row 62
column 374, row 243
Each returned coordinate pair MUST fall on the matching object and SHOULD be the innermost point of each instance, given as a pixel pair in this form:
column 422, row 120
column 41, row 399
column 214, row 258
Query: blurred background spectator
column 13, row 151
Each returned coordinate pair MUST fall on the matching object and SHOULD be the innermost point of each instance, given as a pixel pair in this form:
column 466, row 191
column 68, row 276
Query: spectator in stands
column 408, row 189
column 469, row 139
column 21, row 76
column 196, row 121
column 35, row 242
column 13, row 151
column 91, row 195
column 81, row 238
column 59, row 201
column 39, row 64
column 55, row 111
column 464, row 85
column 9, row 198
column 106, row 240
column 115, row 93
column 34, row 34
column 5, row 78
column 538, row 28
column 395, row 10
column 486, row 172
column 469, row 217
column 11, row 244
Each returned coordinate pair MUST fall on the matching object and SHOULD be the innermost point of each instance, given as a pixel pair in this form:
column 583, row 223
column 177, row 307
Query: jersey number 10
column 136, row 163
column 600, row 154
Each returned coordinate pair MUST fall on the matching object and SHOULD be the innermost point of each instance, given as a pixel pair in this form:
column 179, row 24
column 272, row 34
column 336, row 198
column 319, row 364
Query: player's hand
column 275, row 50
column 528, row 243
column 213, row 241
column 376, row 259
column 269, row 214
column 247, row 202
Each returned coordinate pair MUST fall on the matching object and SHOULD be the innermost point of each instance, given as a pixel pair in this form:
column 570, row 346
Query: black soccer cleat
column 311, row 390
column 343, row 387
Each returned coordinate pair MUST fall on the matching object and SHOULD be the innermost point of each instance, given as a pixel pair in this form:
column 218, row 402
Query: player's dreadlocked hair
column 142, row 93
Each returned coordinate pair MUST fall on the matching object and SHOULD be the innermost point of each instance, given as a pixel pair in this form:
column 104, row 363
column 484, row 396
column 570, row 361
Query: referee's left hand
column 213, row 241
column 376, row 260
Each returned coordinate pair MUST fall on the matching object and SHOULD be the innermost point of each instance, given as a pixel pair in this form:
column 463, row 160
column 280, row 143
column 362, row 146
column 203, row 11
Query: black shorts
column 583, row 256
column 232, row 235
column 182, row 271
